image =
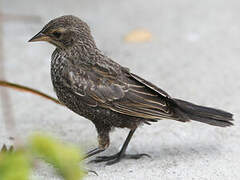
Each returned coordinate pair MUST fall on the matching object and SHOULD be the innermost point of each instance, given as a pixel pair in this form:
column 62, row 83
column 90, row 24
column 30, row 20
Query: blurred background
column 191, row 49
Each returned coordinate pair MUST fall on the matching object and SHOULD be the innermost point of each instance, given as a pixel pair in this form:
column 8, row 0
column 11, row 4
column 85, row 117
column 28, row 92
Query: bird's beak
column 39, row 37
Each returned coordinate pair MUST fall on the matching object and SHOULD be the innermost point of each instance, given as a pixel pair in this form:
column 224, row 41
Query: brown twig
column 29, row 90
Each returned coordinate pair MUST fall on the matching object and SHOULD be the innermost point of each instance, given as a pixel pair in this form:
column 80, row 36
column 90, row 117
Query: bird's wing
column 125, row 93
column 143, row 99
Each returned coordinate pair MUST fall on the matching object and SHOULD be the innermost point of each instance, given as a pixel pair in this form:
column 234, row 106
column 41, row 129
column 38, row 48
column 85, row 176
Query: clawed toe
column 91, row 171
column 99, row 159
column 117, row 157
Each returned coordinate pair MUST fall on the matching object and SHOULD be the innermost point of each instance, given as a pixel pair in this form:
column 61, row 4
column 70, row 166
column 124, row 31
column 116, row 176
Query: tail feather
column 203, row 114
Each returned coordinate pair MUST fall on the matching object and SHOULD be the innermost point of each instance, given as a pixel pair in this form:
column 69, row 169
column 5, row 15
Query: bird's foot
column 117, row 158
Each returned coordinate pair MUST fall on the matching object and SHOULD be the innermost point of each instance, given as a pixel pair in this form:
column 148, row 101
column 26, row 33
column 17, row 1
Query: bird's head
column 64, row 32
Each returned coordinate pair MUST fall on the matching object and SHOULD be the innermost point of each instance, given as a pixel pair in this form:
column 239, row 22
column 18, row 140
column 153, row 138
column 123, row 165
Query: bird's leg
column 103, row 141
column 120, row 155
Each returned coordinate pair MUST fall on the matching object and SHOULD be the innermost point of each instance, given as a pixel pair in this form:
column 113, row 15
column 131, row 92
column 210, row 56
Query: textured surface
column 194, row 55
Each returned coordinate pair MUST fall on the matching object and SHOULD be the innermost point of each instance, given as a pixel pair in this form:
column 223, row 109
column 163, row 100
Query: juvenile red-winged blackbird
column 99, row 89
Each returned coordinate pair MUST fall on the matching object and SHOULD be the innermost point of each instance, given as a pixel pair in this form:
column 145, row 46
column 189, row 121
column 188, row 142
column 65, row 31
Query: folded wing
column 124, row 93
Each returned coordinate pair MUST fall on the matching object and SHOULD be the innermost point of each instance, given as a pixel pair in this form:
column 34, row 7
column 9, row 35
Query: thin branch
column 29, row 90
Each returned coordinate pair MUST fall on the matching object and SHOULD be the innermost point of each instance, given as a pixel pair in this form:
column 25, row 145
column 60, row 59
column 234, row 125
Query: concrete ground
column 194, row 55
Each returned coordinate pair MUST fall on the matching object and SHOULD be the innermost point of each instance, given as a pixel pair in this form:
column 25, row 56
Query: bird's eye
column 57, row 34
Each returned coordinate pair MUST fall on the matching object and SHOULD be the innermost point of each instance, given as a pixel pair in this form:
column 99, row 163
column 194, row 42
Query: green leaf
column 14, row 165
column 65, row 158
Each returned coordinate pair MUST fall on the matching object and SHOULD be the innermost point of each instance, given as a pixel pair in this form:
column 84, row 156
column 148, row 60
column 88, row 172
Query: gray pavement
column 194, row 55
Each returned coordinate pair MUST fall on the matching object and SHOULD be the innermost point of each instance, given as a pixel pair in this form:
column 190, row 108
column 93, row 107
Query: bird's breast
column 58, row 64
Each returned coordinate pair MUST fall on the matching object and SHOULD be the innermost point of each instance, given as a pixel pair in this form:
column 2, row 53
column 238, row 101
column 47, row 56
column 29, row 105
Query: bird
column 94, row 86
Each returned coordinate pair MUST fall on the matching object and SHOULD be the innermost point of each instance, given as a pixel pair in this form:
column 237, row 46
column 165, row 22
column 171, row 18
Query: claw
column 94, row 172
column 90, row 171
column 117, row 157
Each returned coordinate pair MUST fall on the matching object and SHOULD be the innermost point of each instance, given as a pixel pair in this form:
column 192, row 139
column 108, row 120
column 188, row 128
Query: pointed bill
column 39, row 37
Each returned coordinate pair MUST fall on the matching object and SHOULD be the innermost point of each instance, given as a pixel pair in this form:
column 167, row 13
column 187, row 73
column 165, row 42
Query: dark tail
column 215, row 117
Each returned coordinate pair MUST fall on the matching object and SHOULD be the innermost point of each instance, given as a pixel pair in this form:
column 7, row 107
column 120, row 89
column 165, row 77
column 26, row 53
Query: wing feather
column 123, row 92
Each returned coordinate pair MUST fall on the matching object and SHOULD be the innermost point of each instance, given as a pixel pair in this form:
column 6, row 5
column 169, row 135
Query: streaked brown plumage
column 94, row 86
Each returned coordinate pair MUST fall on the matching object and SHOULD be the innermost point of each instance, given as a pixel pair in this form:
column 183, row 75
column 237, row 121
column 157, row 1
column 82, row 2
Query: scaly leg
column 103, row 141
column 120, row 155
